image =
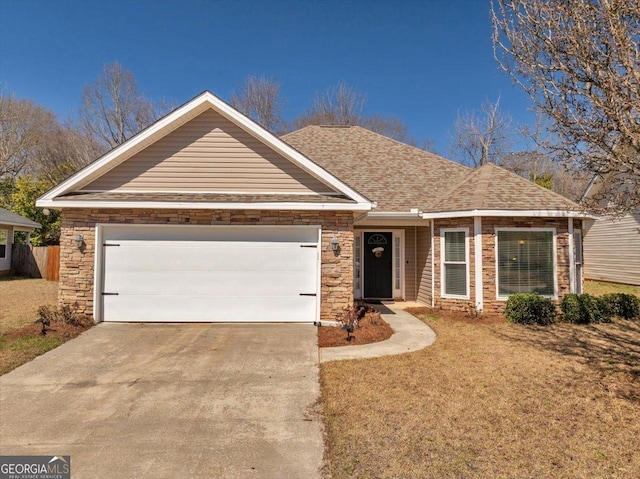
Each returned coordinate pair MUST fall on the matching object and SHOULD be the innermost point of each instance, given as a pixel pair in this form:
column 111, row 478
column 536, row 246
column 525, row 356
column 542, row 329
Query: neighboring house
column 10, row 223
column 612, row 245
column 206, row 216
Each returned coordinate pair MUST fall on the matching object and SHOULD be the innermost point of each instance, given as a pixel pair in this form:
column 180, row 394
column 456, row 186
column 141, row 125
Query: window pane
column 454, row 244
column 3, row 243
column 455, row 279
column 525, row 262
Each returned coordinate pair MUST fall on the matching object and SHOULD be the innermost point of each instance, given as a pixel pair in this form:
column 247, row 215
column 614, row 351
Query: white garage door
column 193, row 273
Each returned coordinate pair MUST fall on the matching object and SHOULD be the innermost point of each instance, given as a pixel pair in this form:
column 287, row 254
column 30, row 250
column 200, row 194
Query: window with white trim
column 455, row 263
column 525, row 260
column 4, row 238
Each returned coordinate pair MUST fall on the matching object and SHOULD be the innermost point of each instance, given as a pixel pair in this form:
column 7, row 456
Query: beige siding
column 424, row 272
column 612, row 250
column 208, row 153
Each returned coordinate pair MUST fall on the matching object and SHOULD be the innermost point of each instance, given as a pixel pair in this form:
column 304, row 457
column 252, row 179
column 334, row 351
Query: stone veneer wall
column 77, row 265
column 491, row 304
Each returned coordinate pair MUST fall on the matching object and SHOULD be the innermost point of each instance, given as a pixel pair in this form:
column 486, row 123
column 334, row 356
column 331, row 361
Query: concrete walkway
column 410, row 334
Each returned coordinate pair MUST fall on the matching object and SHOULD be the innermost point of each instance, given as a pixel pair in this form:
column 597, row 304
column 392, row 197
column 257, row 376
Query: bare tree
column 65, row 150
column 113, row 110
column 390, row 126
column 482, row 136
column 341, row 105
column 259, row 99
column 580, row 63
column 344, row 106
column 23, row 124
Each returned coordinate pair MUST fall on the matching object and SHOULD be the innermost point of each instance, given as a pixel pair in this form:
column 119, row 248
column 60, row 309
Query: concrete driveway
column 171, row 400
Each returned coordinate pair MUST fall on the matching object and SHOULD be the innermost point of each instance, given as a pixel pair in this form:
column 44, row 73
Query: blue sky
column 422, row 61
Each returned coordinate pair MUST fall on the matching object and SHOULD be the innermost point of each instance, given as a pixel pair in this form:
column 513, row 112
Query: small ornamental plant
column 530, row 308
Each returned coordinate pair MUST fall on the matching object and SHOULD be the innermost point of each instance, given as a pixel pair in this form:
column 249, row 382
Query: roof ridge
column 454, row 187
column 484, row 179
column 533, row 183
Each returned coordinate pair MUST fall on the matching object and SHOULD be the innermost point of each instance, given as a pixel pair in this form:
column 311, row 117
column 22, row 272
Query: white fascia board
column 105, row 163
column 46, row 203
column 398, row 215
column 518, row 213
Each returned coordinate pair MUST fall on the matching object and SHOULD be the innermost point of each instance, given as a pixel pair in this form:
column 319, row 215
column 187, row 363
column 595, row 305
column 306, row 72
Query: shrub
column 571, row 309
column 595, row 309
column 584, row 309
column 622, row 305
column 63, row 314
column 530, row 308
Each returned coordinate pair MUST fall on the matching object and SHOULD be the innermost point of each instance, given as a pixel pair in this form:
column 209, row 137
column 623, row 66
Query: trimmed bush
column 622, row 305
column 571, row 309
column 529, row 308
column 584, row 309
column 595, row 309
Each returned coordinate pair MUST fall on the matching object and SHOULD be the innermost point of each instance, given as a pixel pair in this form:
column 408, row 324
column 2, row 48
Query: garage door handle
column 308, row 294
column 110, row 244
column 308, row 246
column 110, row 294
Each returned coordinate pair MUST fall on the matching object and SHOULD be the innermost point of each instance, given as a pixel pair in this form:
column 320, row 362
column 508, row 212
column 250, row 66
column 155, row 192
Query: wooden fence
column 36, row 261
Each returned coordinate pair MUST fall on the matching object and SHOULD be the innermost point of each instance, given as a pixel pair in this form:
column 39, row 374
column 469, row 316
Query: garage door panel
column 209, row 283
column 197, row 308
column 182, row 273
column 186, row 256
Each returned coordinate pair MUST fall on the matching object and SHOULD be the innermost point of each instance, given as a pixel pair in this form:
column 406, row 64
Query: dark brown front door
column 377, row 273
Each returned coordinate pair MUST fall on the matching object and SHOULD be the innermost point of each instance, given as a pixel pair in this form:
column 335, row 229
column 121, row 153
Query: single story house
column 206, row 216
column 10, row 223
column 612, row 245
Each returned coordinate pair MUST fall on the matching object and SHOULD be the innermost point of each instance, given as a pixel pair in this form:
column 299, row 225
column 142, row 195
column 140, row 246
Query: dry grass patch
column 20, row 298
column 20, row 339
column 598, row 288
column 490, row 399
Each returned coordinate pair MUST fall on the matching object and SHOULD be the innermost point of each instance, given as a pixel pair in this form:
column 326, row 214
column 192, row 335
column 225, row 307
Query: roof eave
column 59, row 204
column 507, row 213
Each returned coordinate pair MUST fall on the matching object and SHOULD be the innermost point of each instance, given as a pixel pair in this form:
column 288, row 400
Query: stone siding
column 492, row 305
column 77, row 264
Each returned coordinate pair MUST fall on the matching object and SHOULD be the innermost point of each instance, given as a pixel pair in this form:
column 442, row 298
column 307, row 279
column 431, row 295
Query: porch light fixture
column 335, row 244
column 79, row 240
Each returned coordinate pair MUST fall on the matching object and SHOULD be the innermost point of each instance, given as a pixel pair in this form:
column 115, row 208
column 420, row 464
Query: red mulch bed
column 371, row 329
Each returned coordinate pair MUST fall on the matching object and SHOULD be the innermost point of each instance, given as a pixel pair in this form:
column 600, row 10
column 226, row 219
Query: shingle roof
column 400, row 177
column 9, row 218
column 395, row 175
column 203, row 198
column 493, row 188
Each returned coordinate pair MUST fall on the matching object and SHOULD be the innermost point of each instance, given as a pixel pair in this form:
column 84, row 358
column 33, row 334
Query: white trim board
column 43, row 203
column 508, row 213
